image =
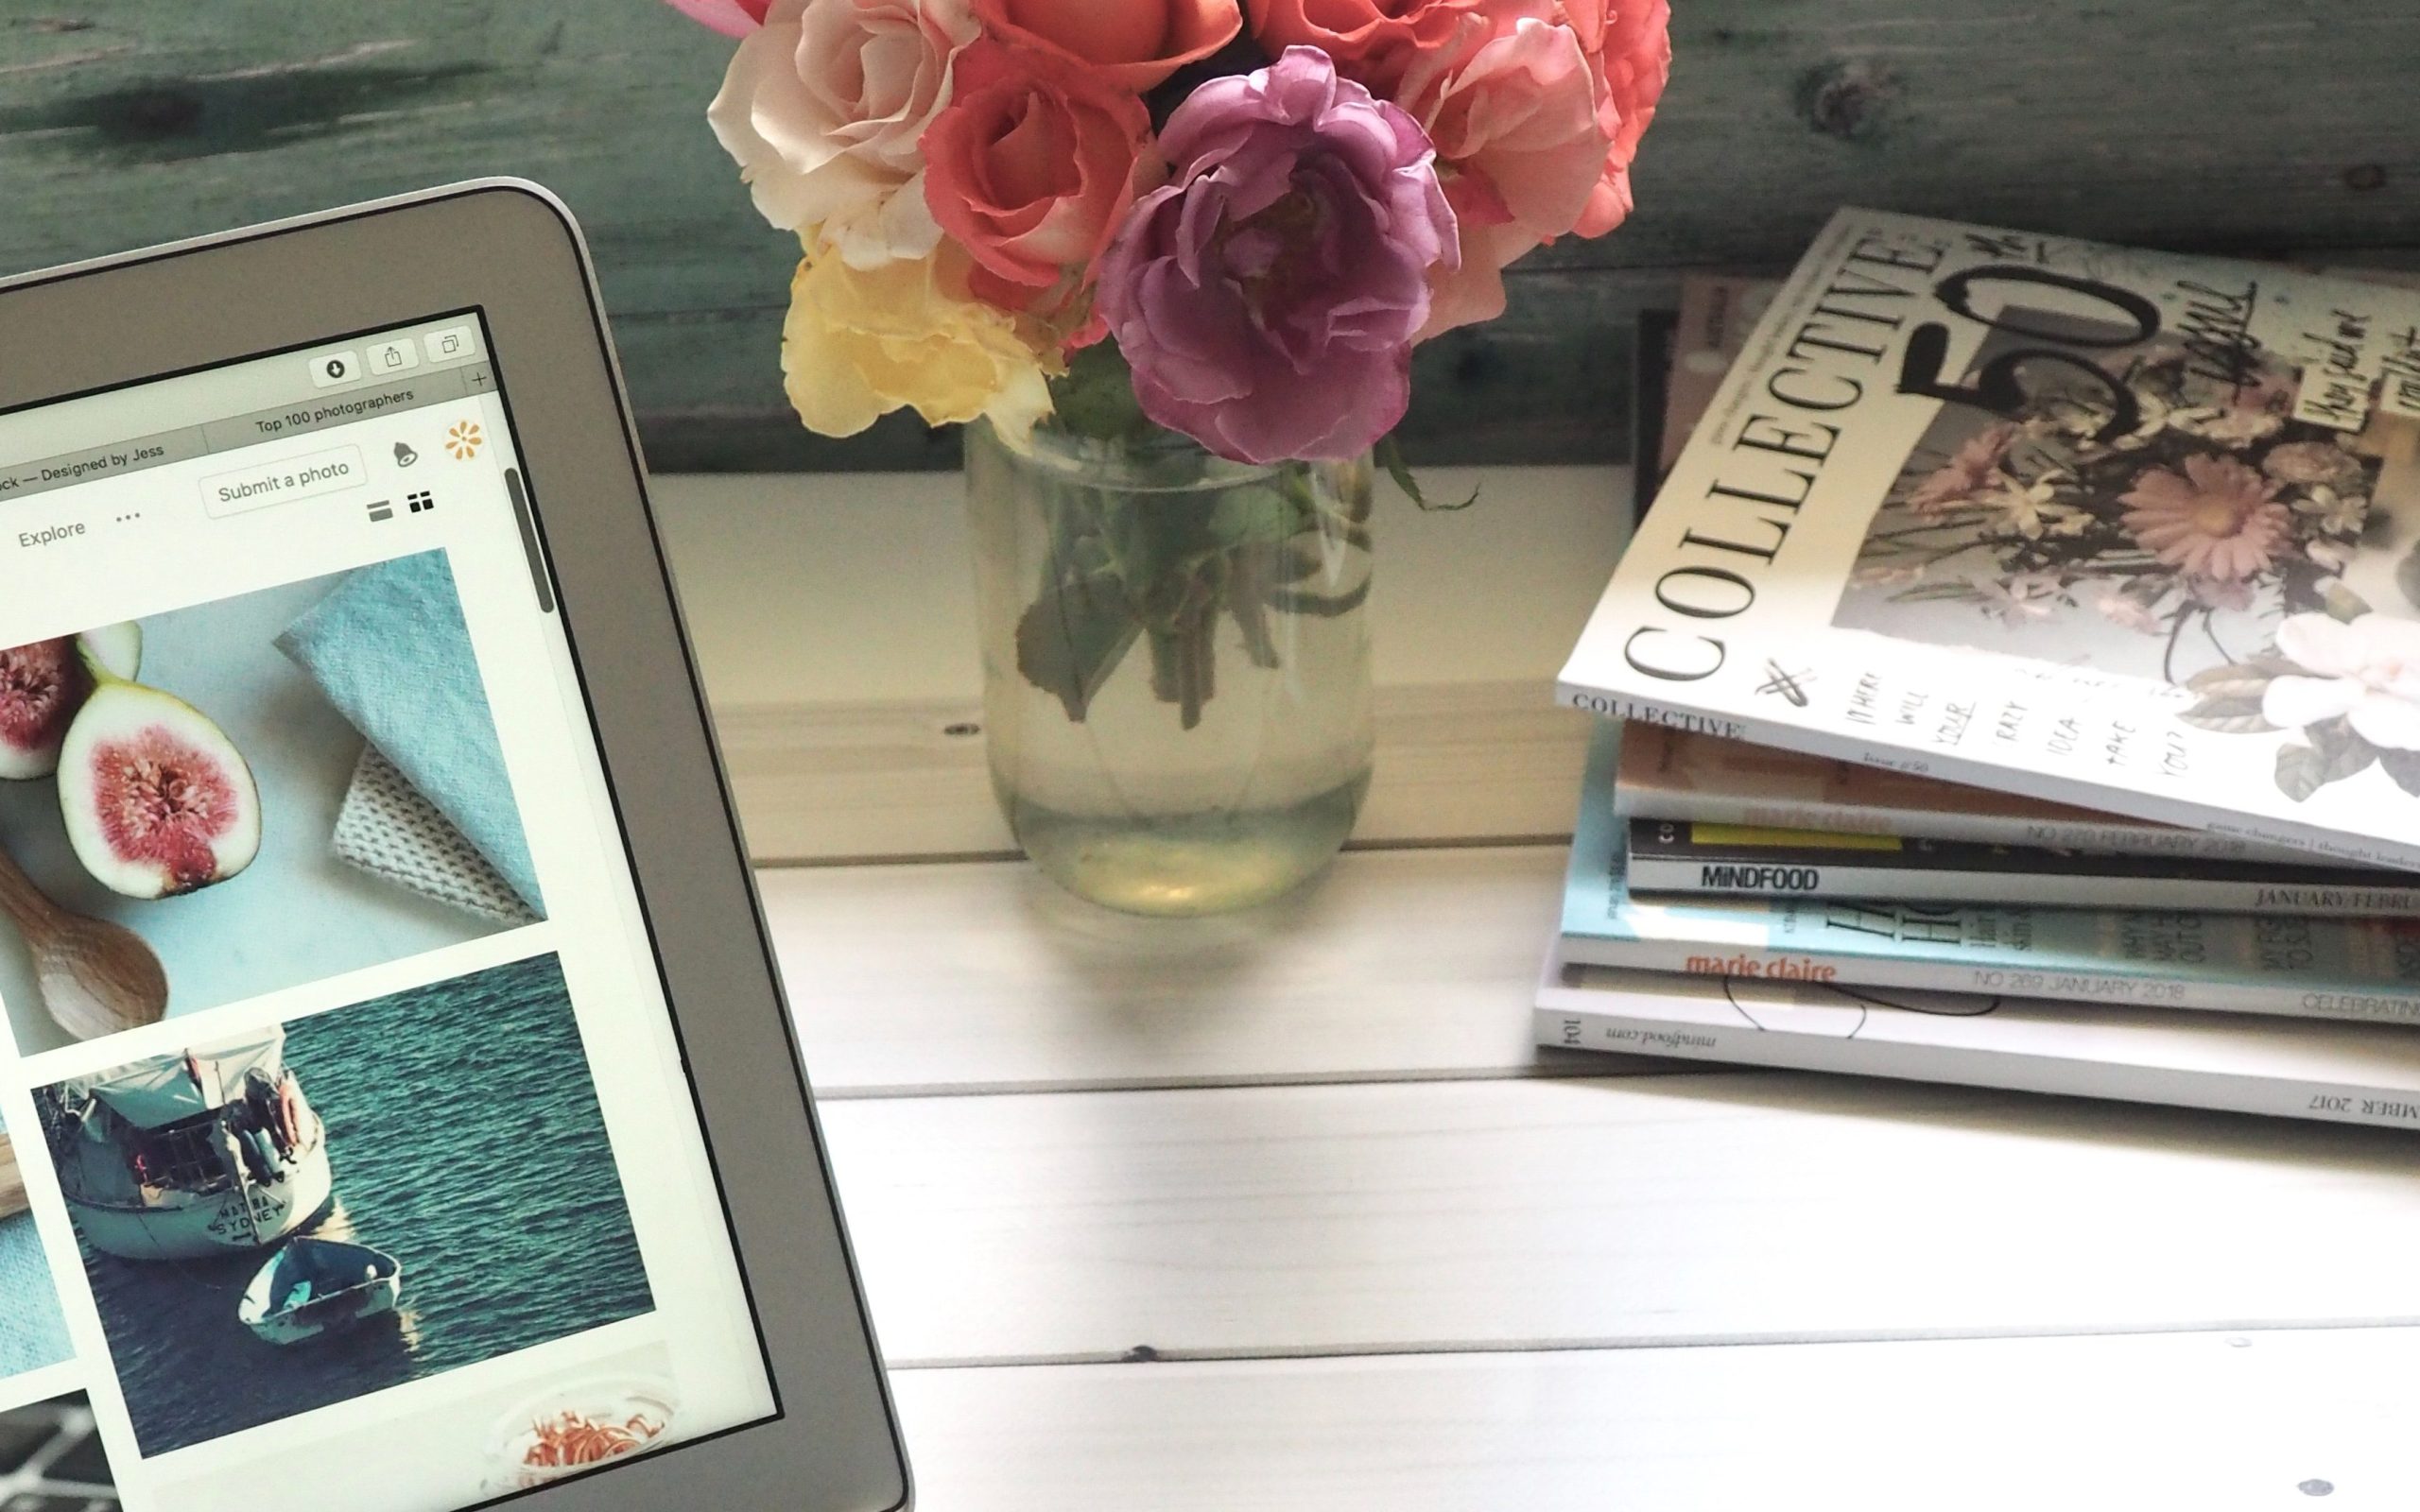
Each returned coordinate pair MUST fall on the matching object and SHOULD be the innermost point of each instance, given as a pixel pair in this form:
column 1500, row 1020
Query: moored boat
column 188, row 1155
column 313, row 1286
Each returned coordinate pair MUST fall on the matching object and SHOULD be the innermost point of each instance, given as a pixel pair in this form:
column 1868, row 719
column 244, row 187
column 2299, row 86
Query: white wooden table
column 1284, row 1211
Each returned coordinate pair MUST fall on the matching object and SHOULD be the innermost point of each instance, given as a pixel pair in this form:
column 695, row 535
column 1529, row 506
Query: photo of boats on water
column 303, row 1215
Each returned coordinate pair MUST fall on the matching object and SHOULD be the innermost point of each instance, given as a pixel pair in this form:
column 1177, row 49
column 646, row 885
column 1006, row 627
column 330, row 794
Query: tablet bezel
column 511, row 250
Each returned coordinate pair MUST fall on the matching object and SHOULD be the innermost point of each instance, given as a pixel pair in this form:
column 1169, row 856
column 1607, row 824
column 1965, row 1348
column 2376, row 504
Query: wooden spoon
column 96, row 977
column 13, row 1191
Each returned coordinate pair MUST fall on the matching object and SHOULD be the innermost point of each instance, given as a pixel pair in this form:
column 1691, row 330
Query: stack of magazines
column 2015, row 681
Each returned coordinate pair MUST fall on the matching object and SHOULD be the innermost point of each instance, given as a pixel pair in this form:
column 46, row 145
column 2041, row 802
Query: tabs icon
column 450, row 345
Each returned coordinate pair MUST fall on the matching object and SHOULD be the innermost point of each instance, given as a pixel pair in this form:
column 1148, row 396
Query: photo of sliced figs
column 42, row 687
column 119, row 648
column 158, row 801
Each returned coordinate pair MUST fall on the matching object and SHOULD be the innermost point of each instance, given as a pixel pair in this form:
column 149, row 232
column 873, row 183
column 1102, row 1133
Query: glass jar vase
column 1176, row 663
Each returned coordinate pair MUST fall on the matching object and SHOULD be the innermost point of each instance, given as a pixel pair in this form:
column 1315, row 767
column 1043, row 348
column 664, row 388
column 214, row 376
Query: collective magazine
column 2113, row 528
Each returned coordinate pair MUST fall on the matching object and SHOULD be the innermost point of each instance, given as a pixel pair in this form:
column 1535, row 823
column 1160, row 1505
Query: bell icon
column 404, row 455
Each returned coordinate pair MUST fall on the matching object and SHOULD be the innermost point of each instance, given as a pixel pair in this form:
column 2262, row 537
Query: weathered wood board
column 2218, row 123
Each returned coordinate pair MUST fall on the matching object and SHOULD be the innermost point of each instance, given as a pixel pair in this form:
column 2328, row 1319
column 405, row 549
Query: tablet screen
column 359, row 1164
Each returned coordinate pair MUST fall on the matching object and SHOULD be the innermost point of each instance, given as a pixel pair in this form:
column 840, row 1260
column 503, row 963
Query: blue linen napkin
column 32, row 1334
column 390, row 650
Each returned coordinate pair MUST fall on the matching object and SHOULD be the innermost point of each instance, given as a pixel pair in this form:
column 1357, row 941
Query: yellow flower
column 862, row 342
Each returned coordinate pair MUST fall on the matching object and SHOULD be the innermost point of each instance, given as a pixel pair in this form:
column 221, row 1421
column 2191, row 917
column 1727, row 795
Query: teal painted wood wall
column 2229, row 125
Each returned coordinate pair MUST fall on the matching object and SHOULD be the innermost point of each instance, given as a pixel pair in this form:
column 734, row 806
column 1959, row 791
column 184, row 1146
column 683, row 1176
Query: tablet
column 397, row 1075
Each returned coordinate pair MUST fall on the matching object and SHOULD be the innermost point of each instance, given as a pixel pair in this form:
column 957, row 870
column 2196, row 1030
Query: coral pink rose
column 733, row 18
column 1629, row 44
column 824, row 108
column 1134, row 45
column 1374, row 43
column 1030, row 169
column 1515, row 118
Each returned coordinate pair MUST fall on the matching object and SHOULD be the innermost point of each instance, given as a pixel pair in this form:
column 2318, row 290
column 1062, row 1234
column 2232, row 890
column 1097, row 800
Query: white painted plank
column 984, row 976
column 2261, row 1422
column 1420, row 1216
column 826, row 783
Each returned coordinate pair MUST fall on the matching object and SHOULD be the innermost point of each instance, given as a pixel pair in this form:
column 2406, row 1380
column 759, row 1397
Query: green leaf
column 2298, row 772
column 2342, row 604
column 1250, row 517
column 2228, row 717
column 2337, row 740
column 1390, row 455
column 1320, row 606
column 1160, row 544
column 1095, row 396
column 2240, row 679
column 2335, row 754
column 1072, row 637
column 2404, row 766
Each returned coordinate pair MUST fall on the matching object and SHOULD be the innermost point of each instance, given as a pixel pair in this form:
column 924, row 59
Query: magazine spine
column 2116, row 838
column 2300, row 839
column 1795, row 879
column 2069, row 983
column 1562, row 1026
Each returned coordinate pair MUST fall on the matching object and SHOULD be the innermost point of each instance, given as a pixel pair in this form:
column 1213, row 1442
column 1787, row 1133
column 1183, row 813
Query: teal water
column 466, row 1141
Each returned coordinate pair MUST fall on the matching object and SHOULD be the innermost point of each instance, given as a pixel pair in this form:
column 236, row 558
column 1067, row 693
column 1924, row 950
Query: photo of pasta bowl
column 570, row 1429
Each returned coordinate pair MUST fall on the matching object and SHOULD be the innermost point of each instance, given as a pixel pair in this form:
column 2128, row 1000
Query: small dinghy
column 314, row 1286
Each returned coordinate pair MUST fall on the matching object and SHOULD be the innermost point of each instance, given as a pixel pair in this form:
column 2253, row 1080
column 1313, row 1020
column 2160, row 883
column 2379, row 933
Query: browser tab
column 327, row 413
column 73, row 467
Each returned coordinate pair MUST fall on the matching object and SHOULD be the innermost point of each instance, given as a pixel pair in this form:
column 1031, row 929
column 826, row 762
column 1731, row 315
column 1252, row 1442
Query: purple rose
column 1267, row 298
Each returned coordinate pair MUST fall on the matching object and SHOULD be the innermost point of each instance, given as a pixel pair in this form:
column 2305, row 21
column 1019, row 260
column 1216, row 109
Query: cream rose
column 823, row 109
column 862, row 342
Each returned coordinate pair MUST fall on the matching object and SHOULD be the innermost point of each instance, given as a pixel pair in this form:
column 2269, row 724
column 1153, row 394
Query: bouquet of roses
column 1250, row 213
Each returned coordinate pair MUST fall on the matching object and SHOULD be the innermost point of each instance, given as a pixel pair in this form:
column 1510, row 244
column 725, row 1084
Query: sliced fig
column 41, row 687
column 119, row 648
column 158, row 801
